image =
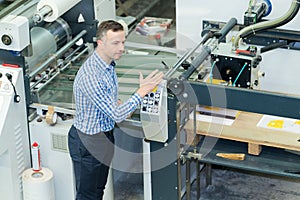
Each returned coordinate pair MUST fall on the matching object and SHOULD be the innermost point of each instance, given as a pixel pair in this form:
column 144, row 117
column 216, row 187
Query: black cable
column 16, row 96
column 273, row 46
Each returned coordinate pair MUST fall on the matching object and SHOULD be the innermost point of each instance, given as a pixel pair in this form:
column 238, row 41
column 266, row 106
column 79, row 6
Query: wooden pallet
column 245, row 129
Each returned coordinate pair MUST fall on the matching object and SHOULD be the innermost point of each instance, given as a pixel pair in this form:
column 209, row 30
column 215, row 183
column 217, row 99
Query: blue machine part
column 269, row 7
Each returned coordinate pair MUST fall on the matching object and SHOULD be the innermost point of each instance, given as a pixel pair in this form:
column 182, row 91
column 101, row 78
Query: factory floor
column 227, row 184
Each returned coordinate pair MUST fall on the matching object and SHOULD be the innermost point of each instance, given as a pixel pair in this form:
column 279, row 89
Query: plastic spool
column 58, row 8
column 38, row 185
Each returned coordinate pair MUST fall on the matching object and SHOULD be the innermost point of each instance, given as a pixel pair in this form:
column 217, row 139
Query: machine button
column 144, row 108
column 6, row 39
column 9, row 76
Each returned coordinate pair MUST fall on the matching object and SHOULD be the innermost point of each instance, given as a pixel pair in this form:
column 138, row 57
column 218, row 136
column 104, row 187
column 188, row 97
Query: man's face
column 111, row 46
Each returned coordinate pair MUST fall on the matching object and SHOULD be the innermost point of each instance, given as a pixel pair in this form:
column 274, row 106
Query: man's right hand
column 150, row 82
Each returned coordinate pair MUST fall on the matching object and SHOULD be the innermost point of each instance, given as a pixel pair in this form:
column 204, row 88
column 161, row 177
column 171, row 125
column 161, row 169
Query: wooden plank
column 254, row 149
column 232, row 156
column 244, row 129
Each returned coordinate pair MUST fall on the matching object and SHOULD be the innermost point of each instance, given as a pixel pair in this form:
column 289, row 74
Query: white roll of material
column 38, row 185
column 58, row 7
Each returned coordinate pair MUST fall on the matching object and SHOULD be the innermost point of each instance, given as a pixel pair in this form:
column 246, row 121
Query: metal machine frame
column 237, row 98
column 167, row 181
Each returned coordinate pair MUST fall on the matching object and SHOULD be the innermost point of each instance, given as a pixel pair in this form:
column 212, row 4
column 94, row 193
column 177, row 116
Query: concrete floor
column 227, row 184
column 237, row 185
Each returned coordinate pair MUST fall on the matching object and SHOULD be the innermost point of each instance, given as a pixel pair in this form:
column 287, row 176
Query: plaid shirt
column 96, row 95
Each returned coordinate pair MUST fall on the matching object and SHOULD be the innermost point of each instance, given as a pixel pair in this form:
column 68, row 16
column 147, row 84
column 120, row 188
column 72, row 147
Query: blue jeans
column 91, row 156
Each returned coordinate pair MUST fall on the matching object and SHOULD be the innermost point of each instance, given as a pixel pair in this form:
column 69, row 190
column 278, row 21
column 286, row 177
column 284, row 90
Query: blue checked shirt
column 96, row 96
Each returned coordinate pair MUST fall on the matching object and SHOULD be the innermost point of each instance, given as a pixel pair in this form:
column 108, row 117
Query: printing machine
column 42, row 46
column 39, row 57
column 226, row 72
column 41, row 42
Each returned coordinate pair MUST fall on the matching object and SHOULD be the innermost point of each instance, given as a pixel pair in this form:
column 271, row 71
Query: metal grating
column 19, row 153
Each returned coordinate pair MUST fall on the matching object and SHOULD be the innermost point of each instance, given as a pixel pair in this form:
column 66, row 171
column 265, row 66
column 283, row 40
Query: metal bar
column 186, row 55
column 73, row 52
column 193, row 179
column 208, row 48
column 181, row 60
column 201, row 57
column 147, row 171
column 188, row 179
column 73, row 59
column 178, row 63
column 80, row 54
column 198, row 178
column 47, row 82
column 241, row 99
column 208, row 174
column 65, row 67
column 56, row 74
column 36, row 83
column 179, row 129
column 195, row 124
column 228, row 27
column 179, row 193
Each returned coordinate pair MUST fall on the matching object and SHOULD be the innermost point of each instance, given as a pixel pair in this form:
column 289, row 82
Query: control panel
column 154, row 116
column 8, row 78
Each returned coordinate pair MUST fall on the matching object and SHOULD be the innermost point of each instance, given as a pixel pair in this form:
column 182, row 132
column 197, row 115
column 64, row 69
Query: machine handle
column 225, row 30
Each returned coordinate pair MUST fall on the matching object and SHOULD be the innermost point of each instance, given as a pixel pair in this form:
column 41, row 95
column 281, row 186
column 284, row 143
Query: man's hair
column 108, row 25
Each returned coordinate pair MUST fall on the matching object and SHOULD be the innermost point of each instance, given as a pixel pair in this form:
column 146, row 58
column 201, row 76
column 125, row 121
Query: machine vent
column 19, row 153
column 59, row 142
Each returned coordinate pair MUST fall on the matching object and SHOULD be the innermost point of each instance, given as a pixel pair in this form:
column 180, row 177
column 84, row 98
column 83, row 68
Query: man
column 91, row 140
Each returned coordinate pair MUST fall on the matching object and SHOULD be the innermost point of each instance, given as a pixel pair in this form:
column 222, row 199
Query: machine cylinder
column 46, row 40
